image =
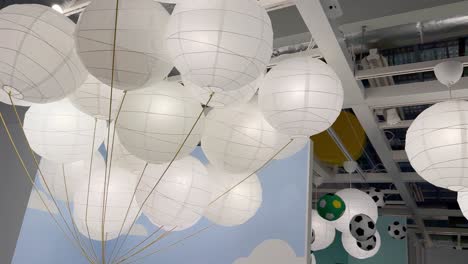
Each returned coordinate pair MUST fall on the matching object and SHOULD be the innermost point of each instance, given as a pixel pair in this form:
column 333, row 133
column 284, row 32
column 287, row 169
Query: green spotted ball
column 330, row 207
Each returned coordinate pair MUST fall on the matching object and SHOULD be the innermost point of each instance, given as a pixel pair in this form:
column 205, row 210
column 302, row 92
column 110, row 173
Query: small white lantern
column 141, row 53
column 357, row 202
column 238, row 205
column 436, row 145
column 220, row 45
column 155, row 121
column 225, row 98
column 180, row 198
column 238, row 138
column 93, row 98
column 324, row 232
column 39, row 60
column 88, row 210
column 301, row 97
column 61, row 133
column 350, row 245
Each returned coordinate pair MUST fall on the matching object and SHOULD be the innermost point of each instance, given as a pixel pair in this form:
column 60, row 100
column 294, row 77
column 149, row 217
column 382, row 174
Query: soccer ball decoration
column 362, row 227
column 323, row 232
column 351, row 246
column 312, row 237
column 377, row 195
column 397, row 230
column 331, row 207
column 368, row 244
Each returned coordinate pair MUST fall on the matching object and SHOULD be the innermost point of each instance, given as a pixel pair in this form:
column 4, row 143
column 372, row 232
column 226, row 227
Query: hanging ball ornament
column 449, row 72
column 357, row 202
column 94, row 97
column 59, row 132
column 301, row 97
column 140, row 49
column 367, row 245
column 155, row 121
column 377, row 195
column 237, row 206
column 397, row 230
column 39, row 60
column 362, row 227
column 180, row 197
column 323, row 231
column 436, row 145
column 351, row 246
column 220, row 45
column 331, row 207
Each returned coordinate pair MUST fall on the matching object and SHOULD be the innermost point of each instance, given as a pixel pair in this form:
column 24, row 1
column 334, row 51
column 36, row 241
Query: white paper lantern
column 301, row 96
column 39, row 61
column 436, row 145
column 62, row 179
column 141, row 53
column 237, row 206
column 60, row 132
column 312, row 259
column 122, row 158
column 357, row 202
column 296, row 145
column 120, row 193
column 462, row 200
column 93, row 98
column 154, row 122
column 350, row 245
column 221, row 45
column 180, row 198
column 5, row 98
column 324, row 232
column 225, row 98
column 238, row 138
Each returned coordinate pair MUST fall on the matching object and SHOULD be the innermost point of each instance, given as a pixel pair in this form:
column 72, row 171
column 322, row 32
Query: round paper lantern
column 301, row 96
column 331, row 207
column 296, row 145
column 350, row 245
column 225, row 98
column 61, row 133
column 449, row 72
column 119, row 196
column 155, row 121
column 237, row 206
column 462, row 200
column 324, row 232
column 357, row 202
column 141, row 53
column 312, row 259
column 220, row 45
column 238, row 138
column 59, row 175
column 5, row 98
column 436, row 145
column 93, row 98
column 121, row 157
column 180, row 198
column 39, row 61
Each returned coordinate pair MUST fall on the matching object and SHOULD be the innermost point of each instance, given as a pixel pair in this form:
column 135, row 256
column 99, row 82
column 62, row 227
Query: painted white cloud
column 138, row 230
column 36, row 203
column 272, row 252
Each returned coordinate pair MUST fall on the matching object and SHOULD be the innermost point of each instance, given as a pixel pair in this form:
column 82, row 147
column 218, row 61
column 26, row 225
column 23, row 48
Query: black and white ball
column 397, row 230
column 362, row 227
column 312, row 238
column 377, row 195
column 367, row 245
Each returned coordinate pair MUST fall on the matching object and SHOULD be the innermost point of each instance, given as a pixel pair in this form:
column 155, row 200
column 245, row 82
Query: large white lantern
column 237, row 206
column 62, row 179
column 180, row 198
column 155, row 121
column 324, row 232
column 121, row 157
column 436, row 145
column 61, row 133
column 301, row 96
column 93, row 98
column 5, row 98
column 296, row 145
column 238, row 138
column 350, row 245
column 37, row 51
column 357, row 202
column 141, row 53
column 462, row 200
column 88, row 203
column 221, row 45
column 225, row 98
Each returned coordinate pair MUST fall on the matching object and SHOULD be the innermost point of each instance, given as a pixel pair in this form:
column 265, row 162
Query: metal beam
column 374, row 178
column 424, row 212
column 400, row 156
column 402, row 124
column 334, row 50
column 444, row 231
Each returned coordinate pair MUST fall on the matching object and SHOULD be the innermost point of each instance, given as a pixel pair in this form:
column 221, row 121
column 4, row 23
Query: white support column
column 310, row 195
